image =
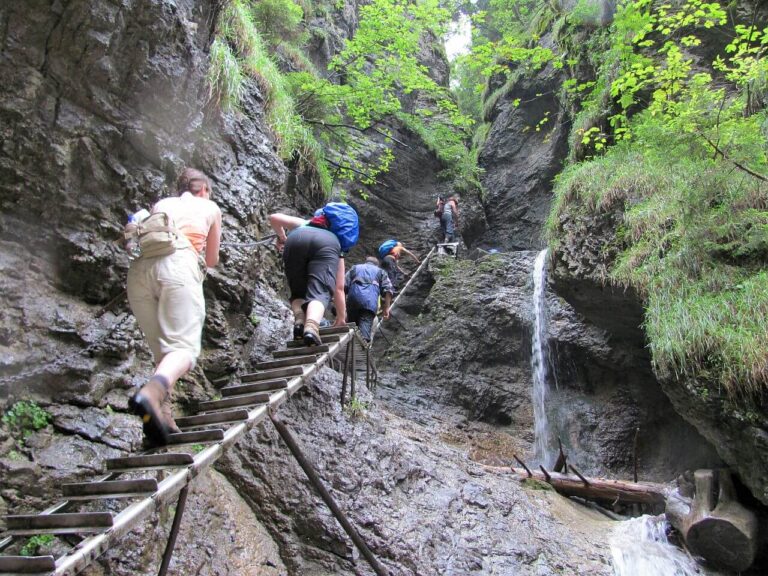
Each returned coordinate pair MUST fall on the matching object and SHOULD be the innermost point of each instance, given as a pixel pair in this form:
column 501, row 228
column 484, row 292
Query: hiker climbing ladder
column 220, row 424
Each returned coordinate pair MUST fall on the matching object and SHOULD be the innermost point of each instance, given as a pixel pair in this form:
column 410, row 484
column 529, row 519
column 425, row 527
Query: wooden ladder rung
column 196, row 437
column 301, row 351
column 215, row 418
column 334, row 330
column 263, row 386
column 327, row 339
column 27, row 564
column 235, row 401
column 271, row 374
column 149, row 462
column 299, row 360
column 65, row 523
column 109, row 489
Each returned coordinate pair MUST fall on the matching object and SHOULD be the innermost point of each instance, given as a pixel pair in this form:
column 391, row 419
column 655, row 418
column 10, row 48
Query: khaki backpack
column 157, row 235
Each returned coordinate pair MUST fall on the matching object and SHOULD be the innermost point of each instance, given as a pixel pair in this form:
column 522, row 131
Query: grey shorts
column 311, row 257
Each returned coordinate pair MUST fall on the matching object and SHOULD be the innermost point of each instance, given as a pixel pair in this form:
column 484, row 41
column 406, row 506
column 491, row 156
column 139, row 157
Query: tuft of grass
column 693, row 240
column 240, row 52
column 226, row 80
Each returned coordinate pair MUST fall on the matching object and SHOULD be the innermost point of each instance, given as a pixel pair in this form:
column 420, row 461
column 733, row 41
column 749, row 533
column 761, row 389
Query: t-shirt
column 192, row 215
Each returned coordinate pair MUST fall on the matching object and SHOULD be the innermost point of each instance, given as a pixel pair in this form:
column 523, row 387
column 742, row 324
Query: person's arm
column 282, row 223
column 386, row 290
column 339, row 298
column 412, row 255
column 213, row 241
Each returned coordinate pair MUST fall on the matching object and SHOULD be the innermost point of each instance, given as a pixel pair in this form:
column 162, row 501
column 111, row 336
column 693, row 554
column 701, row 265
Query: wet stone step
column 235, row 401
column 67, row 523
column 301, row 351
column 285, row 362
column 27, row 564
column 264, row 386
column 109, row 489
column 196, row 437
column 271, row 374
column 328, row 339
column 208, row 419
column 149, row 461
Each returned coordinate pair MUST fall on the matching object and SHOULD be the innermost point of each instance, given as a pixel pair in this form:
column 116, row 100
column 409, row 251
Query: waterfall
column 639, row 547
column 542, row 444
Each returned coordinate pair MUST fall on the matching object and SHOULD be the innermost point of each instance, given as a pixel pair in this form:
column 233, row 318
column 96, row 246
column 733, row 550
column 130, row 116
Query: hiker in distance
column 314, row 264
column 364, row 284
column 390, row 252
column 177, row 241
column 448, row 213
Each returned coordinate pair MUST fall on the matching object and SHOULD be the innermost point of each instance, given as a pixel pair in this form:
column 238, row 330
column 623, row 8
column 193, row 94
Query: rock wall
column 466, row 343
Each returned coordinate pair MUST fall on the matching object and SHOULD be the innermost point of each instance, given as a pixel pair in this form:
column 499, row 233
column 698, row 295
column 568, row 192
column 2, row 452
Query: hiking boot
column 312, row 333
column 148, row 404
column 298, row 331
column 167, row 409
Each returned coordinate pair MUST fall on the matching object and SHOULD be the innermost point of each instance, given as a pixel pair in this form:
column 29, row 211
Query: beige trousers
column 166, row 296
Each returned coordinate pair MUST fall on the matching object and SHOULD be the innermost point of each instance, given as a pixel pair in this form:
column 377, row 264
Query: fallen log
column 614, row 491
column 714, row 524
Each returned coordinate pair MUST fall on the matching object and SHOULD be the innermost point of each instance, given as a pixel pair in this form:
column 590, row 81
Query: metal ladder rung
column 66, row 523
column 149, row 462
column 271, row 374
column 109, row 489
column 196, row 437
column 302, row 351
column 27, row 564
column 300, row 343
column 299, row 360
column 235, row 401
column 208, row 419
column 263, row 386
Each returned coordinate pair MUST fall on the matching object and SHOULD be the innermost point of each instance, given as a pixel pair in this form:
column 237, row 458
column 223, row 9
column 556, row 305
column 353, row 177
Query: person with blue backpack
column 313, row 253
column 364, row 285
column 390, row 252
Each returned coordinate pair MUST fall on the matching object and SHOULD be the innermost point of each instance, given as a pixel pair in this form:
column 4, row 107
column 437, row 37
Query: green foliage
column 25, row 417
column 279, row 20
column 33, row 544
column 356, row 408
column 449, row 145
column 467, row 85
column 225, row 76
column 693, row 241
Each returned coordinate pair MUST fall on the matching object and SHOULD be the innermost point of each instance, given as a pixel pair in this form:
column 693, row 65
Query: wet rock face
column 102, row 105
column 420, row 505
column 468, row 344
column 523, row 152
column 731, row 428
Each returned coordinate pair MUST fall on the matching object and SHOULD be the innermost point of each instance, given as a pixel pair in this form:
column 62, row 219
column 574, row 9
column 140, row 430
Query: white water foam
column 640, row 547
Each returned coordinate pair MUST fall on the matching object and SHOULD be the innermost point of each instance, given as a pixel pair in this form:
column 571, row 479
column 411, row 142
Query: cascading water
column 542, row 435
column 639, row 547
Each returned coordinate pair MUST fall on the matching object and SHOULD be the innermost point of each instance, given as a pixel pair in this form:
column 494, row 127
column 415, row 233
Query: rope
column 264, row 240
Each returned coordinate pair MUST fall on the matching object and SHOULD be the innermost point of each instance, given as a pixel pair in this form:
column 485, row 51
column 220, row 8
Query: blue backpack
column 343, row 221
column 385, row 248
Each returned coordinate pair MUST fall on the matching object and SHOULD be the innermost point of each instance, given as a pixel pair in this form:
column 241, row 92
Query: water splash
column 544, row 452
column 640, row 547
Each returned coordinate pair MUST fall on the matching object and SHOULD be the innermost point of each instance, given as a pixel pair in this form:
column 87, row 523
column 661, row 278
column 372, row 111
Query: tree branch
column 731, row 160
column 353, row 127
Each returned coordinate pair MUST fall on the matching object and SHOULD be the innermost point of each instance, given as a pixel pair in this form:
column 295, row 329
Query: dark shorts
column 389, row 265
column 311, row 258
column 364, row 320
